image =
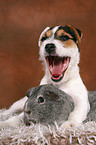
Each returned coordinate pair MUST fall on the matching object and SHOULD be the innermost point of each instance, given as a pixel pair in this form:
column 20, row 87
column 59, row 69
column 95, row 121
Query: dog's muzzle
column 57, row 65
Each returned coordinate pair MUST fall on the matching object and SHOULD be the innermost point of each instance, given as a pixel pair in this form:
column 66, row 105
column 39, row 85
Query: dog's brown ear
column 77, row 33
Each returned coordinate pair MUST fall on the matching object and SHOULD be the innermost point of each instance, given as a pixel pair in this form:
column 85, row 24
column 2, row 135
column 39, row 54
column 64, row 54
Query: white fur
column 15, row 113
column 42, row 34
column 71, row 84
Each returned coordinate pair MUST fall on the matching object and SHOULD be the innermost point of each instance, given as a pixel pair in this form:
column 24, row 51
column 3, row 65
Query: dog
column 60, row 55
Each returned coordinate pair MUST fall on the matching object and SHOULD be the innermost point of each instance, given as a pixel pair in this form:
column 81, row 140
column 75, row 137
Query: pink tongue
column 57, row 67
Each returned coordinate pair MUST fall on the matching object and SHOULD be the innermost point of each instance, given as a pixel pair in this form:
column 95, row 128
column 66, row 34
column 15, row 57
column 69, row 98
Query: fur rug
column 43, row 135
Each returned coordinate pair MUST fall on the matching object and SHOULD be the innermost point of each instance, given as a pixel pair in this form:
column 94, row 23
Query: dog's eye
column 44, row 38
column 63, row 37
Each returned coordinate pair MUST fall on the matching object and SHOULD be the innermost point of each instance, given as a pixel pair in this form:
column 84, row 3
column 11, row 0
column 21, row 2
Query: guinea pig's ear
column 41, row 35
column 31, row 91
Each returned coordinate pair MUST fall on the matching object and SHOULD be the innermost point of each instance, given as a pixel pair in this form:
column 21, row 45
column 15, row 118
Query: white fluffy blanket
column 43, row 135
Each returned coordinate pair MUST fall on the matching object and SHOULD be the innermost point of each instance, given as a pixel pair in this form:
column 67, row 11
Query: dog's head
column 59, row 50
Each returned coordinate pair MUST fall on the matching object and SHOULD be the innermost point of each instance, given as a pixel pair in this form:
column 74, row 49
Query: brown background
column 21, row 22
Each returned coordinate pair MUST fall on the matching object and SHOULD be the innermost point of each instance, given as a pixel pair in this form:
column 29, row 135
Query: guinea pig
column 47, row 104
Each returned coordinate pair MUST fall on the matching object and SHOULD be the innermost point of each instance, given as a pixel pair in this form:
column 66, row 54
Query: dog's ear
column 42, row 35
column 77, row 34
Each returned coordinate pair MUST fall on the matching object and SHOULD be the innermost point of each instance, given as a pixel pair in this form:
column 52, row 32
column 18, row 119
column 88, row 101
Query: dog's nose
column 50, row 48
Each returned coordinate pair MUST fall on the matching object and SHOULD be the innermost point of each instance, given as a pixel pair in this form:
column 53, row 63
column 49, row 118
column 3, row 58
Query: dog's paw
column 69, row 124
column 14, row 121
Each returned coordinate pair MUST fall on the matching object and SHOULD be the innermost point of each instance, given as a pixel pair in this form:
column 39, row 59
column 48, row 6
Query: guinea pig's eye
column 40, row 100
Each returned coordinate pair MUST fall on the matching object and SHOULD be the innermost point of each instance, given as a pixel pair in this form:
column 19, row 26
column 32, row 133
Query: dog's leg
column 13, row 121
column 80, row 97
column 77, row 116
column 16, row 108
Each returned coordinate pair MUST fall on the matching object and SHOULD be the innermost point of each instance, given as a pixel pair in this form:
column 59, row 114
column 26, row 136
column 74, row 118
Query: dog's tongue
column 57, row 66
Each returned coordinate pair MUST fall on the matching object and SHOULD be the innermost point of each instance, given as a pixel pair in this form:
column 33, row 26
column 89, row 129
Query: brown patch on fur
column 49, row 33
column 69, row 43
column 41, row 38
column 68, row 35
column 62, row 32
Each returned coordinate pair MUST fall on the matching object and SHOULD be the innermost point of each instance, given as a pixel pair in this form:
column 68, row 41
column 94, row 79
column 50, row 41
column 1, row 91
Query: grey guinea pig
column 47, row 104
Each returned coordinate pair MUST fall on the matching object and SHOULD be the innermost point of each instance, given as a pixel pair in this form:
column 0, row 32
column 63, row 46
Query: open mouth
column 57, row 66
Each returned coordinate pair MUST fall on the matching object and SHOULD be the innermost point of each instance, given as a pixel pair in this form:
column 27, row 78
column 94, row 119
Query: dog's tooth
column 64, row 65
column 51, row 68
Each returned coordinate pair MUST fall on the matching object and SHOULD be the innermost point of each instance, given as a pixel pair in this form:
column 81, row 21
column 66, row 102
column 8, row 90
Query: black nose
column 50, row 48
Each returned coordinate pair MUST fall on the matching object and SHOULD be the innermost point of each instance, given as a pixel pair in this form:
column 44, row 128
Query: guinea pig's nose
column 40, row 100
column 27, row 112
